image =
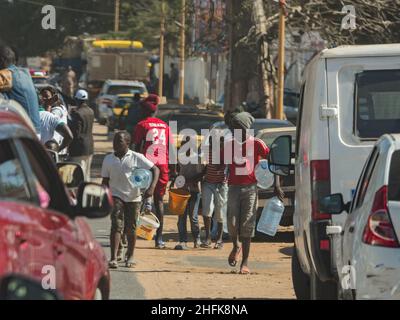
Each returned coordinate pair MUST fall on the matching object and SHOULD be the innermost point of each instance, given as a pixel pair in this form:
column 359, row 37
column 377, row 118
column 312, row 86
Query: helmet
column 81, row 95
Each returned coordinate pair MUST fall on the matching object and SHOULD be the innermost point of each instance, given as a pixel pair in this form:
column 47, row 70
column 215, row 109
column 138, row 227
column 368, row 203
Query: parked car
column 287, row 185
column 258, row 125
column 194, row 119
column 120, row 111
column 109, row 94
column 370, row 261
column 349, row 98
column 42, row 231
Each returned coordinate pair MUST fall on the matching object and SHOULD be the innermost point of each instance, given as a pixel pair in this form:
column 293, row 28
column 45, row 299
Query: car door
column 69, row 247
column 361, row 205
column 21, row 244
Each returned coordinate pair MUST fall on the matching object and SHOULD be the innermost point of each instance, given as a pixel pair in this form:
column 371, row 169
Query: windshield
column 115, row 90
column 195, row 122
column 377, row 103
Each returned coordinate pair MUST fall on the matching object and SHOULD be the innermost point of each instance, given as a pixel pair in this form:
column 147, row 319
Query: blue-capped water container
column 271, row 217
column 265, row 178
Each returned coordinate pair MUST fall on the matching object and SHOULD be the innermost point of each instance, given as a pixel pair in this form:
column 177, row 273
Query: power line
column 69, row 9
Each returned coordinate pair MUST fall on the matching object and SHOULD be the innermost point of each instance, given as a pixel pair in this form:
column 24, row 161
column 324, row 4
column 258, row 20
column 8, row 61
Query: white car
column 350, row 97
column 370, row 266
column 109, row 93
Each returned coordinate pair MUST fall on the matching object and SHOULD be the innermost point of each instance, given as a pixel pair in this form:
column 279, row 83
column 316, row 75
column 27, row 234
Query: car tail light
column 320, row 187
column 379, row 230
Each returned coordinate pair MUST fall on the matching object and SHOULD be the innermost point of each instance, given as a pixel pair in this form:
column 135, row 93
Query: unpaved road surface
column 195, row 273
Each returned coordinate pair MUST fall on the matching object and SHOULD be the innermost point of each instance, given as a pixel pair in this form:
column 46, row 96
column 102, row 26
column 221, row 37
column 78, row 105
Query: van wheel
column 322, row 290
column 301, row 280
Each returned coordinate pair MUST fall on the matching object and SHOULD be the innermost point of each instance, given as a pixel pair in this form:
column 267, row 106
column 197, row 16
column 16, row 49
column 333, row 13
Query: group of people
column 61, row 129
column 224, row 188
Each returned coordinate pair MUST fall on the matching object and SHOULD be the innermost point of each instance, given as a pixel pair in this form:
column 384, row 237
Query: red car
column 43, row 234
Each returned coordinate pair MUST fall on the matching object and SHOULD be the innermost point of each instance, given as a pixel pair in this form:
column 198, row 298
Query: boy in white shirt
column 116, row 170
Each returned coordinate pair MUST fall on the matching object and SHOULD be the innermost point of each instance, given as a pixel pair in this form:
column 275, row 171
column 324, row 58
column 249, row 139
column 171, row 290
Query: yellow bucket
column 147, row 226
column 178, row 200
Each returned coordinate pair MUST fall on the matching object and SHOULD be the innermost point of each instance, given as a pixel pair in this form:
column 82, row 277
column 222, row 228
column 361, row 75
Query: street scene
column 191, row 150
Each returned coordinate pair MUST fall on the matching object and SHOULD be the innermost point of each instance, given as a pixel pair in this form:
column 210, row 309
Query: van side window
column 299, row 118
column 394, row 177
column 377, row 103
column 365, row 178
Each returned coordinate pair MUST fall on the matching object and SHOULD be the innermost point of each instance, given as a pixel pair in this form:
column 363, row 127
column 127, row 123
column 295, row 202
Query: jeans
column 192, row 210
column 214, row 199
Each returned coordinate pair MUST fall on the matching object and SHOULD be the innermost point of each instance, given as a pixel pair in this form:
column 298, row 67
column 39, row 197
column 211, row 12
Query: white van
column 350, row 97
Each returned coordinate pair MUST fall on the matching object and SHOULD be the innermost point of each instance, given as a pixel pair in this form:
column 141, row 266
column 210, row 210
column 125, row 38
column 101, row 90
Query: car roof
column 375, row 50
column 125, row 83
column 13, row 114
column 266, row 121
column 281, row 129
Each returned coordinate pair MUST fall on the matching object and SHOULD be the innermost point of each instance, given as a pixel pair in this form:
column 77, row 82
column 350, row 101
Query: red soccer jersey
column 242, row 158
column 153, row 135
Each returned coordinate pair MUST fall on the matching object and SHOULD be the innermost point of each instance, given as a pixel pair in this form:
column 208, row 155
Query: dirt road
column 195, row 273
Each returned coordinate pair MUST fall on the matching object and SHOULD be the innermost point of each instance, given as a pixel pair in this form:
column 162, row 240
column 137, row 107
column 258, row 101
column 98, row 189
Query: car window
column 377, row 103
column 115, row 90
column 13, row 182
column 44, row 175
column 394, row 177
column 365, row 178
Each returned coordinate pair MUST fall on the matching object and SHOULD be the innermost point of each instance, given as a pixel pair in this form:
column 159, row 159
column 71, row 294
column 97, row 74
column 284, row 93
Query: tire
column 320, row 290
column 301, row 280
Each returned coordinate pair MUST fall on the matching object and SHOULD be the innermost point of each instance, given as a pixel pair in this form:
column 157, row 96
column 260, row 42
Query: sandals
column 234, row 256
column 206, row 245
column 219, row 245
column 113, row 264
column 244, row 270
column 130, row 263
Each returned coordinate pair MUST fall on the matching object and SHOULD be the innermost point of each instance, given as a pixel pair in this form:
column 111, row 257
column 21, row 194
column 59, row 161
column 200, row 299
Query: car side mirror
column 279, row 159
column 71, row 174
column 333, row 204
column 94, row 201
column 17, row 287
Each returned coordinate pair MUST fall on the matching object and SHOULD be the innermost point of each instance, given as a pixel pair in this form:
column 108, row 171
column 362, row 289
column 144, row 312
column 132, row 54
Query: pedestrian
column 192, row 172
column 214, row 196
column 50, row 124
column 152, row 138
column 116, row 170
column 69, row 82
column 242, row 153
column 174, row 78
column 134, row 113
column 81, row 123
column 50, row 100
column 19, row 85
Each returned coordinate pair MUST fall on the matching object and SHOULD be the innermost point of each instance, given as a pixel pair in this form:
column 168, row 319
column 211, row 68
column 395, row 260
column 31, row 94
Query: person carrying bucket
column 152, row 138
column 116, row 170
column 192, row 173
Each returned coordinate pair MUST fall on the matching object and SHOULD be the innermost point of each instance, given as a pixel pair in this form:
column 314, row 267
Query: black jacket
column 81, row 124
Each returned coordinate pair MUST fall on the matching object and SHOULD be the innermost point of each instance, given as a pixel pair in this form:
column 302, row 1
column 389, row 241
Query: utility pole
column 117, row 7
column 182, row 56
column 281, row 59
column 161, row 64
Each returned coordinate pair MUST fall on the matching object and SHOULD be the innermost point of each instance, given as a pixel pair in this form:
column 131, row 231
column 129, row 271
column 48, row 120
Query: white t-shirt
column 119, row 170
column 62, row 113
column 48, row 125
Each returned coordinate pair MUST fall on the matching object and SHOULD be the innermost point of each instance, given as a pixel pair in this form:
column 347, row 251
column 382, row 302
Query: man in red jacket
column 152, row 138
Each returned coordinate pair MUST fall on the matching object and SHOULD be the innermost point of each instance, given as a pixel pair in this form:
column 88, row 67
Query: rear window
column 115, row 90
column 377, row 97
column 394, row 177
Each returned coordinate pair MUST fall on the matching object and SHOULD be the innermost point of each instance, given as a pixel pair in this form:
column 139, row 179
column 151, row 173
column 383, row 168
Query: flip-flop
column 113, row 264
column 234, row 256
column 130, row 264
column 244, row 270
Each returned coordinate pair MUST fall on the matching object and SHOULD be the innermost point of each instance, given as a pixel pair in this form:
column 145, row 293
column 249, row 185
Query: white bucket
column 147, row 226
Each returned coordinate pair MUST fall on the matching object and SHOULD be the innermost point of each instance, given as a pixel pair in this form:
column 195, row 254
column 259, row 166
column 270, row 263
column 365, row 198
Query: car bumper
column 377, row 273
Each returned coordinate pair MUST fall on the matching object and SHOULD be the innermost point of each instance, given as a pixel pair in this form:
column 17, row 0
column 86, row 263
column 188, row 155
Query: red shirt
column 242, row 158
column 215, row 173
column 153, row 135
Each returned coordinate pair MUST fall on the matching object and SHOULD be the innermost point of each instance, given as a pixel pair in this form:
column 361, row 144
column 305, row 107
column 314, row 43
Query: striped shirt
column 215, row 173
